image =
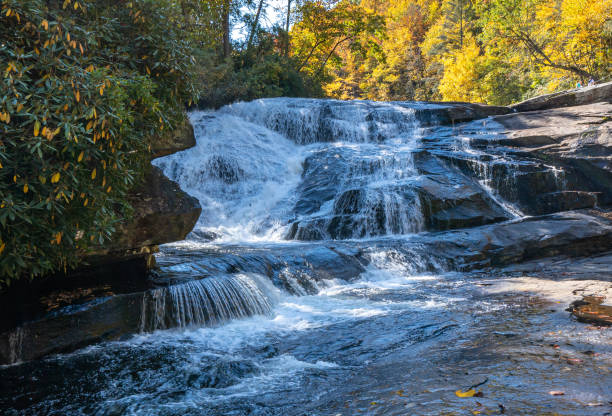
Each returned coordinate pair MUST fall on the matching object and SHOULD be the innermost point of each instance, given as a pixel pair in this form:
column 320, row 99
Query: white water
column 246, row 168
column 483, row 170
column 207, row 302
column 243, row 174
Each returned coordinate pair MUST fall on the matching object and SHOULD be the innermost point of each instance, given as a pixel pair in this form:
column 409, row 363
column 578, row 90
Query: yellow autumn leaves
column 46, row 132
column 5, row 117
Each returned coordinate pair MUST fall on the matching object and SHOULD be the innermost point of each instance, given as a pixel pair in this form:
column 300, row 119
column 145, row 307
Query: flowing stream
column 246, row 328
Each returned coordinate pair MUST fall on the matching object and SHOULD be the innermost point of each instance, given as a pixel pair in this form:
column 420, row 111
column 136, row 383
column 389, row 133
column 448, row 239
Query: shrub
column 84, row 86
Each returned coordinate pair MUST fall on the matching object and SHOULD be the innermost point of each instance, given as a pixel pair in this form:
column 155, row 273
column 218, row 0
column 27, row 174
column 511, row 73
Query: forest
column 489, row 51
column 88, row 84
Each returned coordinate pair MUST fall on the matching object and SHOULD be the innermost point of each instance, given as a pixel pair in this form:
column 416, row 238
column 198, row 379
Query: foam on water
column 242, row 173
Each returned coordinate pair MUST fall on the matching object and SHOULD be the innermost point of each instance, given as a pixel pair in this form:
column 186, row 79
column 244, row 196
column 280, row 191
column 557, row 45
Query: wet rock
column 590, row 309
column 451, row 200
column 228, row 171
column 571, row 233
column 579, row 96
column 72, row 327
column 205, row 235
column 564, row 201
column 578, row 141
column 451, row 113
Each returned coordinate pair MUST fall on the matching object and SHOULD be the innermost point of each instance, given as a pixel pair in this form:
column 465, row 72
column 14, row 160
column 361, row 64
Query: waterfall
column 259, row 170
column 482, row 164
column 206, row 302
column 15, row 341
column 308, row 121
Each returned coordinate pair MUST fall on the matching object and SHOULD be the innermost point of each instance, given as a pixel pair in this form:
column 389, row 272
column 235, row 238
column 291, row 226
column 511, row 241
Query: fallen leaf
column 469, row 393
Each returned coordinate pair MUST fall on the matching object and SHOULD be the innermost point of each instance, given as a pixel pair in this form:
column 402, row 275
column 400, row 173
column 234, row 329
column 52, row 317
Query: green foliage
column 247, row 75
column 84, row 86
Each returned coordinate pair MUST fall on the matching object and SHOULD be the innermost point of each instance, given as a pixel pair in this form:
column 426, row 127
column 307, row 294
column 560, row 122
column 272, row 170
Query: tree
column 322, row 31
column 542, row 30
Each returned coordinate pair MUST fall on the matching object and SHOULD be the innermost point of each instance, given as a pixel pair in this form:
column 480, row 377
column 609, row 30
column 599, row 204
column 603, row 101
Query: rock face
column 577, row 139
column 162, row 212
column 580, row 96
column 173, row 141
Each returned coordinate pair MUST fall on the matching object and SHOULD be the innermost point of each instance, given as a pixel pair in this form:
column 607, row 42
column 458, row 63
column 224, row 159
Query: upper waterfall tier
column 310, row 120
column 312, row 169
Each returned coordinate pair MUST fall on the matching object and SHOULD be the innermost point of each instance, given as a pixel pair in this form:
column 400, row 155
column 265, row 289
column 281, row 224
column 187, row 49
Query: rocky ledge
column 551, row 158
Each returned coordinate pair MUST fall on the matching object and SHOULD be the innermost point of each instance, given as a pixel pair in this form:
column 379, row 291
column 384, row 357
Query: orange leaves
column 77, row 95
column 93, row 174
column 2, row 246
column 36, row 128
column 80, row 158
column 45, row 24
column 55, row 177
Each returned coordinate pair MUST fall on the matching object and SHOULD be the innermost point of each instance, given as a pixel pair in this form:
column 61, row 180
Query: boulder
column 570, row 233
column 163, row 213
column 449, row 199
column 173, row 141
column 575, row 97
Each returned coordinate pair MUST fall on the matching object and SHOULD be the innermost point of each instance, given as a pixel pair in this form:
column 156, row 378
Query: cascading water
column 247, row 170
column 482, row 163
column 206, row 302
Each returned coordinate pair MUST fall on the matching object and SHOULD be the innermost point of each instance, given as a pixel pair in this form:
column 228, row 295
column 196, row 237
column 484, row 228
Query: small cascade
column 15, row 341
column 307, row 121
column 206, row 302
column 482, row 164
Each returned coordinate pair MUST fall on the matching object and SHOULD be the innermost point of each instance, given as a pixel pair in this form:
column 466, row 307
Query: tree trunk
column 227, row 48
column 461, row 24
column 287, row 40
column 255, row 24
